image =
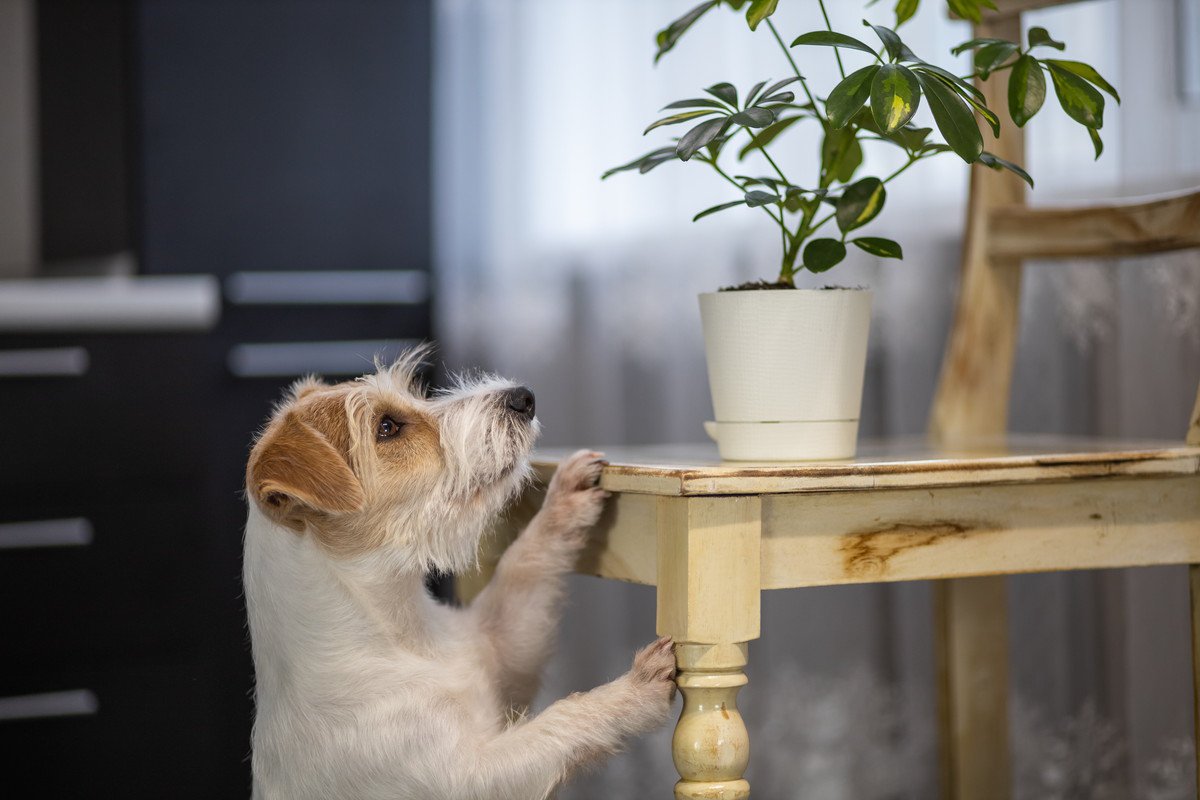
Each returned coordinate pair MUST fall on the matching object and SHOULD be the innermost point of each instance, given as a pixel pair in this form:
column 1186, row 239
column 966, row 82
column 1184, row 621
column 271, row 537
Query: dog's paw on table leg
column 653, row 681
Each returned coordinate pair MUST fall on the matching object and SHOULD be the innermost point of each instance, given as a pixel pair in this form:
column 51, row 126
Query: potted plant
column 786, row 365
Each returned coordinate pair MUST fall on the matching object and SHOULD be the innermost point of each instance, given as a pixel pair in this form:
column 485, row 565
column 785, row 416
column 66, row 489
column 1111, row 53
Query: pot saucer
column 817, row 440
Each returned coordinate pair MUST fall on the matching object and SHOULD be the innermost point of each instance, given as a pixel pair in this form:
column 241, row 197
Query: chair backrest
column 1001, row 232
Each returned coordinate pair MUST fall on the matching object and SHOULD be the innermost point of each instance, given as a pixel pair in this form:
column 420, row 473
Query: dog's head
column 373, row 465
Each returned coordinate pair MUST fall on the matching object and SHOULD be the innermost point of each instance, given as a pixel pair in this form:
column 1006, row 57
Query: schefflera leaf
column 895, row 96
column 1077, row 97
column 878, row 246
column 848, row 96
column 860, row 203
column 1026, row 90
column 821, row 255
column 953, row 117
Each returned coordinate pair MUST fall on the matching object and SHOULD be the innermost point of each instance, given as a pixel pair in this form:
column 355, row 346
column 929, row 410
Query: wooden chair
column 963, row 508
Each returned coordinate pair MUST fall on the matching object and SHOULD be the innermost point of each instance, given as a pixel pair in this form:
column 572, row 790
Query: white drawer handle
column 74, row 532
column 349, row 287
column 44, row 362
column 293, row 359
column 73, row 703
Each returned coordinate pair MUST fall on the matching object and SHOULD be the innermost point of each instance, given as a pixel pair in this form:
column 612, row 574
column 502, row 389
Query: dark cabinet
column 276, row 146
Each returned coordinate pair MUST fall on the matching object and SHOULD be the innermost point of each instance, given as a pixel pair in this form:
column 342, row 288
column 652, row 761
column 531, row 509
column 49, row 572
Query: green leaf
column 695, row 102
column 644, row 164
column 755, row 198
column 667, row 37
column 953, row 117
column 972, row 44
column 993, row 55
column 884, row 248
column 1040, row 37
column 823, row 254
column 1097, row 142
column 724, row 92
column 1082, row 103
column 895, row 96
column 759, row 10
column 905, row 10
column 996, row 162
column 832, row 39
column 975, row 100
column 841, row 155
column 910, row 138
column 950, row 79
column 675, row 119
column 1026, row 90
column 715, row 209
column 848, row 96
column 767, row 134
column 779, row 97
column 754, row 117
column 736, row 5
column 896, row 49
column 697, row 137
column 753, row 93
column 1088, row 73
column 775, row 87
column 860, row 203
column 970, row 9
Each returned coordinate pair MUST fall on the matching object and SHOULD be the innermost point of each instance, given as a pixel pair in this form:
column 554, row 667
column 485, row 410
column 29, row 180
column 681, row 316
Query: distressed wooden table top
column 909, row 462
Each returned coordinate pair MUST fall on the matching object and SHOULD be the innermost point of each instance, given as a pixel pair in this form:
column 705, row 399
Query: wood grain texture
column 893, row 464
column 920, row 534
column 708, row 570
column 710, row 745
column 972, row 393
column 971, row 635
column 1099, row 231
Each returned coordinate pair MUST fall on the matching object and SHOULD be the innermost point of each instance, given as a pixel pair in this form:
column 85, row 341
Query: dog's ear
column 294, row 464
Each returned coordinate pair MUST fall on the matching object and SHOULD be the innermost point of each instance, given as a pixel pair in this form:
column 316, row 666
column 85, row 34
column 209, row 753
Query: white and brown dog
column 366, row 686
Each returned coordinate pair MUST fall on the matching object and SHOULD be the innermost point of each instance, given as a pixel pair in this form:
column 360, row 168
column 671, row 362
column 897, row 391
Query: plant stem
column 836, row 53
column 778, row 220
column 795, row 68
column 975, row 75
column 774, row 166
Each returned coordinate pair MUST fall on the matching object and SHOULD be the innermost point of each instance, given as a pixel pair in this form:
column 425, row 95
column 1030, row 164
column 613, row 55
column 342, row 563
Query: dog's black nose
column 519, row 401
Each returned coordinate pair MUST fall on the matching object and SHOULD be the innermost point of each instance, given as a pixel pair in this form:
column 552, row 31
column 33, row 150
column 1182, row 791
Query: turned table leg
column 711, row 747
column 708, row 601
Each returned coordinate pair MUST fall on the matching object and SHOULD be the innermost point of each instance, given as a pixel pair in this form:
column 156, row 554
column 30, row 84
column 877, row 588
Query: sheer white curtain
column 586, row 290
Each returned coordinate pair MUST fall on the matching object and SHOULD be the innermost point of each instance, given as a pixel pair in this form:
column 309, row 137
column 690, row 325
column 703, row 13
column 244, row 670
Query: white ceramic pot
column 785, row 367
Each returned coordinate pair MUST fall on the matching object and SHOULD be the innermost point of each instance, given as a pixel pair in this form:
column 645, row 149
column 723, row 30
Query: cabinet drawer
column 154, row 730
column 111, row 580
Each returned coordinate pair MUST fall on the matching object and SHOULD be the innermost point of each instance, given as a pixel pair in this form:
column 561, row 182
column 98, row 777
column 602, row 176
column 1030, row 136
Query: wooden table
column 711, row 536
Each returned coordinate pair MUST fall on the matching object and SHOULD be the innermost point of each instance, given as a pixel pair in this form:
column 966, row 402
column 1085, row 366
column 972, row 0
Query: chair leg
column 1194, row 581
column 971, row 630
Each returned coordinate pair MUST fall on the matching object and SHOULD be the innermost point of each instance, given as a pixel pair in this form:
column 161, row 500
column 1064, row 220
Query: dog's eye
column 388, row 428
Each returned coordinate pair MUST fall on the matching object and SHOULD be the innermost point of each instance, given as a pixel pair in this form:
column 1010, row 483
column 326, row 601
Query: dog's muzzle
column 520, row 402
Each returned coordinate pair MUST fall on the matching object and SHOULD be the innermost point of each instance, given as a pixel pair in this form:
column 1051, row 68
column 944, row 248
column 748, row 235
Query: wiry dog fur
column 367, row 687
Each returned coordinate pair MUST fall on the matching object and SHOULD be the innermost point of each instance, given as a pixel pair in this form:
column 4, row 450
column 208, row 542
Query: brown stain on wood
column 866, row 555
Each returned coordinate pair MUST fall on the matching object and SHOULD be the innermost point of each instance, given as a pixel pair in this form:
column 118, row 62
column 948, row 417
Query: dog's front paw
column 574, row 496
column 652, row 680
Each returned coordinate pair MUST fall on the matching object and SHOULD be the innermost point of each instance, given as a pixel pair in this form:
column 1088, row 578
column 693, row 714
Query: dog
column 366, row 686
